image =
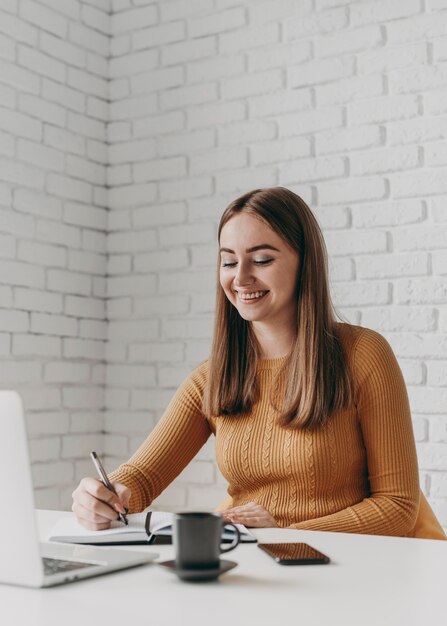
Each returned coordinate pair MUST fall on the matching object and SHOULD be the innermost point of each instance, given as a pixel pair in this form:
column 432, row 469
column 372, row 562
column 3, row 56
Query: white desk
column 372, row 581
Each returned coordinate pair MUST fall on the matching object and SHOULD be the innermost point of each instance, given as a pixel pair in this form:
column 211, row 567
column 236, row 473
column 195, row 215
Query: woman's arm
column 386, row 425
column 171, row 445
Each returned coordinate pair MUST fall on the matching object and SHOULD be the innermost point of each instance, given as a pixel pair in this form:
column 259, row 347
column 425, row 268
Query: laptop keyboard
column 56, row 566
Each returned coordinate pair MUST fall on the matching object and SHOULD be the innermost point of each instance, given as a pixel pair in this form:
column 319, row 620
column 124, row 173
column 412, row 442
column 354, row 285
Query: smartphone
column 294, row 553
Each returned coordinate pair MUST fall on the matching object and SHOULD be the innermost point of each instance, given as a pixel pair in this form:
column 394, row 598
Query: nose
column 243, row 275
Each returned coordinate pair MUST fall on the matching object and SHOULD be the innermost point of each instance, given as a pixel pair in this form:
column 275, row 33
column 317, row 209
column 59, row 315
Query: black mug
column 197, row 540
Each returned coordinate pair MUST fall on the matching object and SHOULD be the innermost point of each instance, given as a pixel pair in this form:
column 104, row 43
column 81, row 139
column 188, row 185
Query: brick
column 130, row 375
column 348, row 89
column 6, row 297
column 7, row 48
column 382, row 11
column 125, row 331
column 58, row 233
column 440, row 49
column 119, row 264
column 7, row 148
column 385, row 160
column 119, row 89
column 197, row 472
column 246, row 132
column 42, row 254
column 361, row 294
column 69, row 188
column 393, row 265
column 161, row 169
column 14, row 321
column 85, row 170
column 87, row 83
column 21, row 274
column 159, row 35
column 43, row 18
column 157, row 80
column 215, row 68
column 400, row 319
column 132, row 241
column 437, row 374
column 173, row 376
column 63, row 50
column 383, row 109
column 277, row 151
column 16, row 224
column 421, row 291
column 391, row 58
column 44, row 110
column 133, row 63
column 184, row 96
column 427, row 399
column 133, row 19
column 69, row 282
column 86, row 126
column 183, row 282
column 129, row 422
column 188, row 188
column 131, row 286
column 189, row 329
column 47, row 449
column 36, row 345
column 49, row 474
column 119, row 220
column 94, row 240
column 88, row 38
column 118, row 308
column 178, row 9
column 388, row 214
column 85, row 215
column 216, row 22
column 93, row 329
column 121, row 44
column 18, row 29
column 119, row 175
column 83, row 349
column 155, row 398
column 309, row 121
column 140, row 150
column 158, row 124
column 234, row 181
column 305, row 170
column 279, row 55
column 419, row 183
column 86, row 422
column 133, row 107
column 161, row 260
column 439, row 260
column 325, row 22
column 253, row 84
column 161, row 305
column 435, row 154
column 41, row 64
column 84, row 307
column 348, row 139
column 419, row 27
column 66, row 7
column 320, row 71
column 35, row 300
column 97, row 151
column 352, row 190
column 341, row 269
column 99, row 20
column 64, row 140
column 5, row 344
column 98, row 108
column 48, row 423
column 248, row 38
column 332, row 217
column 355, row 242
column 115, row 399
column 42, row 156
column 438, row 209
column 266, row 11
column 421, row 130
column 20, row 125
column 53, row 324
column 89, row 262
column 118, row 131
column 418, row 79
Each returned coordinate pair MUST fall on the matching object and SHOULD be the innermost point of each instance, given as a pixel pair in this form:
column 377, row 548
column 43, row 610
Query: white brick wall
column 53, row 81
column 343, row 101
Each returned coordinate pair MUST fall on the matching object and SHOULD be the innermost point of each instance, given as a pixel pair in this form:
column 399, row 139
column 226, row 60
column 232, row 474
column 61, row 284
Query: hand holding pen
column 105, row 479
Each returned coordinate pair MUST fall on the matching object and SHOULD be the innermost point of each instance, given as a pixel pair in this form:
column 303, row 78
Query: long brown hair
column 315, row 375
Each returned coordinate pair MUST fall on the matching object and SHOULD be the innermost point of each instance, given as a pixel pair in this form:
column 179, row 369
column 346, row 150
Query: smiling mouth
column 250, row 297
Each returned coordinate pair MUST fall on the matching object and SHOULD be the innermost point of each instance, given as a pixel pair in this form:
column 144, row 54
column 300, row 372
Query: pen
column 105, row 479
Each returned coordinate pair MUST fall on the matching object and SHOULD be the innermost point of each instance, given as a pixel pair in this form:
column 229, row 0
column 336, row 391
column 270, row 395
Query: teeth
column 251, row 296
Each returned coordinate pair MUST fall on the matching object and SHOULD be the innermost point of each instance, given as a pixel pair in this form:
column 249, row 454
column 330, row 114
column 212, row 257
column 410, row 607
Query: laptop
column 23, row 560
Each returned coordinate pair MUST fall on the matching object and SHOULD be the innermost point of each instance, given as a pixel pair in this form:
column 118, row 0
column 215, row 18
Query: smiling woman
column 311, row 416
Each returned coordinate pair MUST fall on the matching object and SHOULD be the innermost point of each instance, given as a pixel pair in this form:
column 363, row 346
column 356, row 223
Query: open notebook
column 143, row 528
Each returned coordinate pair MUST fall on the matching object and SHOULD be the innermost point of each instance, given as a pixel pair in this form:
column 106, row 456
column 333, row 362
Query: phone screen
column 294, row 553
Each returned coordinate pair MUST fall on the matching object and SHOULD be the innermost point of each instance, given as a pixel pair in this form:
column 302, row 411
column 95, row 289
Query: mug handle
column 236, row 541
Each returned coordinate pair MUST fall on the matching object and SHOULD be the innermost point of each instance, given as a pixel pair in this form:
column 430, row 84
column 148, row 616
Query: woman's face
column 258, row 271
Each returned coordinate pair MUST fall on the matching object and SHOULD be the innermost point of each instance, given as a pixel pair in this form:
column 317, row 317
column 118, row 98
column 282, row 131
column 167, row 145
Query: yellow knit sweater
column 356, row 474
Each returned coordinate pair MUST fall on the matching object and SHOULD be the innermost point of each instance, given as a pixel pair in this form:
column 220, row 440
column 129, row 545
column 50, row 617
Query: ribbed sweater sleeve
column 384, row 416
column 171, row 445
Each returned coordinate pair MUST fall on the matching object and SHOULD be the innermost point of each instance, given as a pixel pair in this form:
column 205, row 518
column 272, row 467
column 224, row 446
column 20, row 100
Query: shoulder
column 194, row 384
column 365, row 349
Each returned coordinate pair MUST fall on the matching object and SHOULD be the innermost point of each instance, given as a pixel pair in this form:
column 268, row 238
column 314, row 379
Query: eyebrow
column 263, row 246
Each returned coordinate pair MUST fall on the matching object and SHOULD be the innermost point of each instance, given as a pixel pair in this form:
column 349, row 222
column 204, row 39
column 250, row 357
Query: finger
column 123, row 494
column 90, row 516
column 99, row 491
column 97, row 507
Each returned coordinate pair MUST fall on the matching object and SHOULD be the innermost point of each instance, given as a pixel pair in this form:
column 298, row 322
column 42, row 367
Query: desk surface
column 371, row 581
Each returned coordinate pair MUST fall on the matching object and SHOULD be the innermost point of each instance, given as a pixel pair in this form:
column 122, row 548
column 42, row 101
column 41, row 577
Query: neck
column 273, row 343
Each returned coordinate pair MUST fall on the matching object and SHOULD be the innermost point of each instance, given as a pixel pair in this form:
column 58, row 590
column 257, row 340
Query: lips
column 252, row 296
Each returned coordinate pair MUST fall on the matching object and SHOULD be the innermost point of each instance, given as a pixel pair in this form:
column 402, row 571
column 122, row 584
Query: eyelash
column 266, row 262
